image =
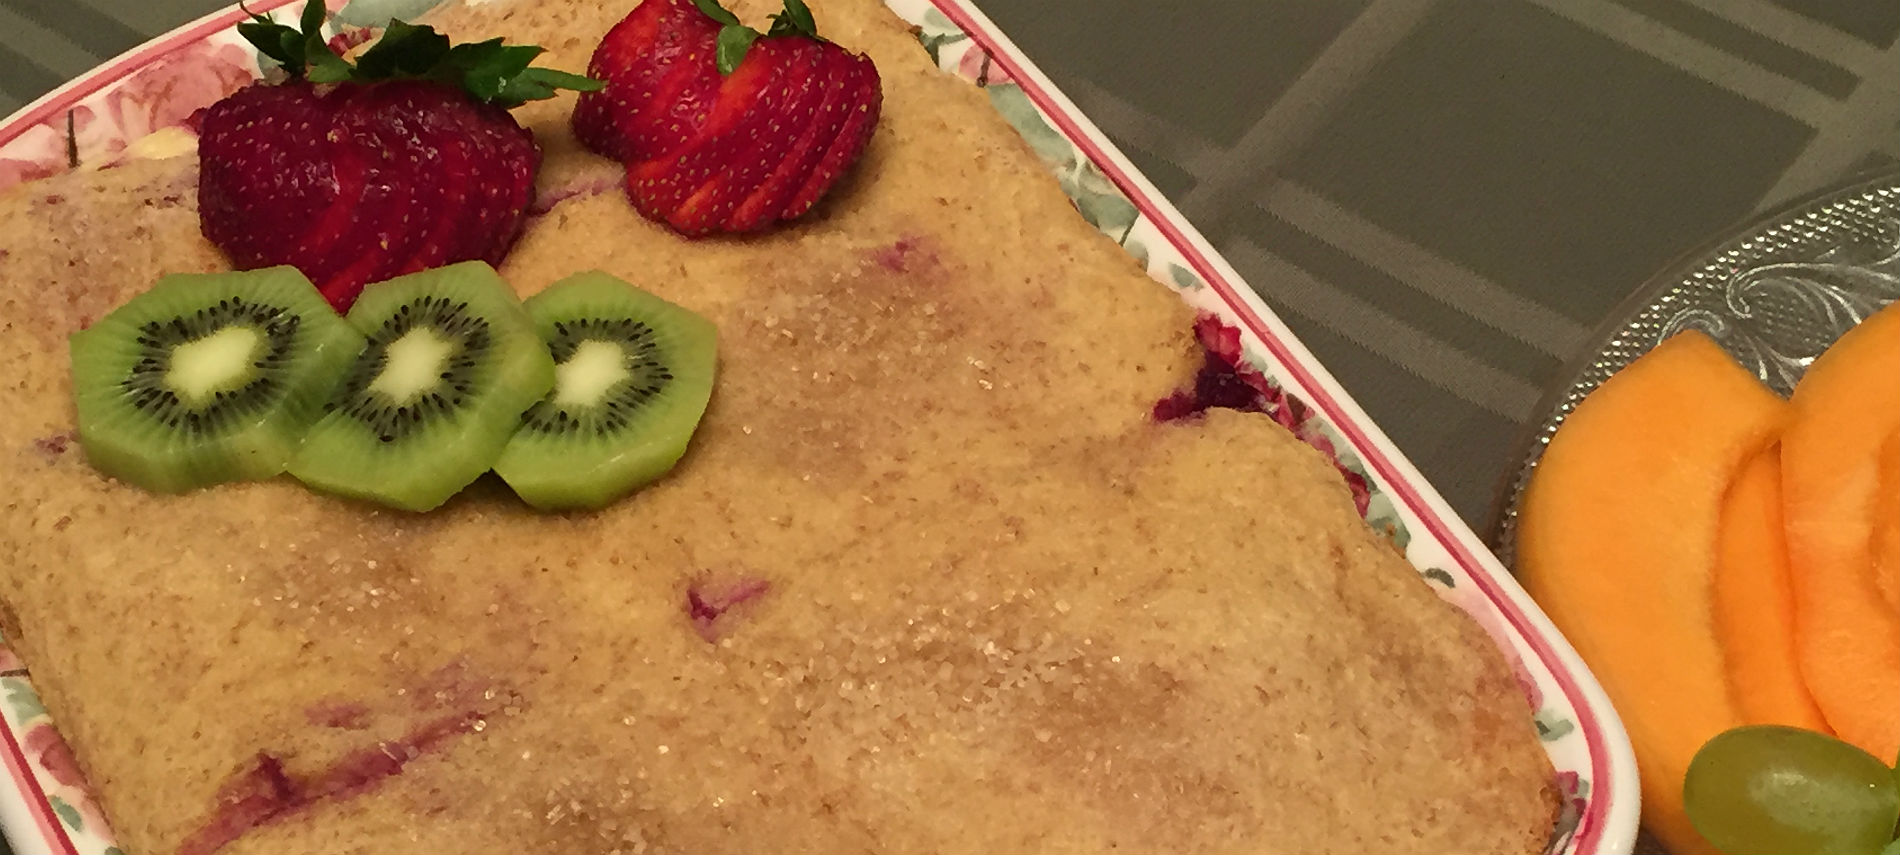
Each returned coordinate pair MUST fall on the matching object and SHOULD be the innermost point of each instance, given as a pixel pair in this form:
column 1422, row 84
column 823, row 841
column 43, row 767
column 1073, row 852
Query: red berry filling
column 1227, row 381
column 707, row 601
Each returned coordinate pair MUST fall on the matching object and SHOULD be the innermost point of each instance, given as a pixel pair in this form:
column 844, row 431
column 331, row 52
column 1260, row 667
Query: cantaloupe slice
column 1846, row 629
column 1754, row 601
column 1887, row 522
column 1617, row 541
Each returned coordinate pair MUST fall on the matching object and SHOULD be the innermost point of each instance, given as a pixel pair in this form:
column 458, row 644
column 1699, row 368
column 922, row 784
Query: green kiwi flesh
column 452, row 362
column 635, row 375
column 207, row 378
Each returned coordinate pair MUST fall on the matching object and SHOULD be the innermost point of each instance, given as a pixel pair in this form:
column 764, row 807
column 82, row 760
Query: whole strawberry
column 354, row 173
column 722, row 128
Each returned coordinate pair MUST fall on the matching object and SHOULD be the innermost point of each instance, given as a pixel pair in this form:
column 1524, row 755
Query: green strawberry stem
column 795, row 20
column 736, row 38
column 488, row 70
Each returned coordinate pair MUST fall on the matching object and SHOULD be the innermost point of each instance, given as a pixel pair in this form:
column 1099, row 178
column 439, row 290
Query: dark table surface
column 1442, row 197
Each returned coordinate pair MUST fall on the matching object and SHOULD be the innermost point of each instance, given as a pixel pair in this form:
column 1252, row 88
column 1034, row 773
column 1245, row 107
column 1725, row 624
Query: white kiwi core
column 593, row 368
column 413, row 364
column 219, row 362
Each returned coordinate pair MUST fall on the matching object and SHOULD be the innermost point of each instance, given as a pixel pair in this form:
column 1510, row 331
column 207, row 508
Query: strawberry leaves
column 404, row 50
column 530, row 84
column 719, row 13
column 736, row 38
column 734, row 41
column 491, row 71
column 794, row 21
column 302, row 50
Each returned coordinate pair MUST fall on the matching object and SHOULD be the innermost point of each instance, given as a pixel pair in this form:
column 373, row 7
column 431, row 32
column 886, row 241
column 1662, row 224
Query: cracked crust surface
column 1002, row 609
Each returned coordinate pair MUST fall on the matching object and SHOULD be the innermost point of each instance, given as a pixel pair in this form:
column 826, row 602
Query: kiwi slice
column 635, row 374
column 207, row 377
column 452, row 362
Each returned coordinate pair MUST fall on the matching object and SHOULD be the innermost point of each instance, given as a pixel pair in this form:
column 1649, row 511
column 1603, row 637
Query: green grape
column 1773, row 790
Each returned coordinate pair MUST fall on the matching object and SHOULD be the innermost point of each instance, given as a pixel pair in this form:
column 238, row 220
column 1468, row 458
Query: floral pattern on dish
column 70, row 800
column 165, row 94
column 36, row 153
column 51, row 761
column 97, row 132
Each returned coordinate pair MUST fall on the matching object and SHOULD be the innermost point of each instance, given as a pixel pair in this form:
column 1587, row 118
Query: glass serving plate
column 1774, row 293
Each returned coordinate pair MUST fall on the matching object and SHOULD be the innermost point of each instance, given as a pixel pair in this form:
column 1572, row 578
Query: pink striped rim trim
column 1590, row 827
column 50, row 828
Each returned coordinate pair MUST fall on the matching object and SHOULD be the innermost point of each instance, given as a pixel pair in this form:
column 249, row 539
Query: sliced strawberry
column 802, row 90
column 483, row 199
column 722, row 128
column 765, row 204
column 517, row 174
column 865, row 101
column 379, row 128
column 315, row 252
column 747, row 111
column 659, row 54
column 409, row 160
column 507, row 174
column 682, row 104
column 264, row 170
column 439, row 239
column 619, row 60
column 438, row 169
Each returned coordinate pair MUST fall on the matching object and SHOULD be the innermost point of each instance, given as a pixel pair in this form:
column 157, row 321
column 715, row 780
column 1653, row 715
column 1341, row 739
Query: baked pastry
column 930, row 578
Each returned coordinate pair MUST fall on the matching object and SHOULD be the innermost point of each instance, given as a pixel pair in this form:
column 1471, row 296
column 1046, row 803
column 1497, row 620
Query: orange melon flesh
column 1617, row 542
column 1754, row 601
column 1847, row 632
column 1887, row 522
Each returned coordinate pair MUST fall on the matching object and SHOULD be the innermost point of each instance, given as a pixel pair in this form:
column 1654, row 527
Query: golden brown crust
column 1006, row 610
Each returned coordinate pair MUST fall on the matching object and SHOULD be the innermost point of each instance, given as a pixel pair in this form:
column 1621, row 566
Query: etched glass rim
column 1862, row 211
